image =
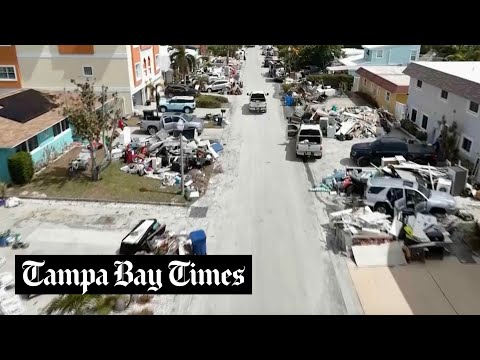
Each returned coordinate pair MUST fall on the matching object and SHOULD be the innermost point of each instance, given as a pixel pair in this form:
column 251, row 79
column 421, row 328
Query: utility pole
column 180, row 127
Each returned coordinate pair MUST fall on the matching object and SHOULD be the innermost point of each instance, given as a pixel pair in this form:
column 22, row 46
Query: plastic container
column 199, row 242
column 3, row 241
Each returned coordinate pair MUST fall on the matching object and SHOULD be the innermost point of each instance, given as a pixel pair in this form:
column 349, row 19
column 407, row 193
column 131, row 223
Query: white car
column 258, row 101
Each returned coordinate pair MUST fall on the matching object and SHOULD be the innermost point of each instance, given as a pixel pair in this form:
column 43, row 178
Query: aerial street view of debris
column 345, row 179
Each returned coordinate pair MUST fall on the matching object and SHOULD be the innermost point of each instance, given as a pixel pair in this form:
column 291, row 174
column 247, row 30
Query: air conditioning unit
column 444, row 185
column 459, row 176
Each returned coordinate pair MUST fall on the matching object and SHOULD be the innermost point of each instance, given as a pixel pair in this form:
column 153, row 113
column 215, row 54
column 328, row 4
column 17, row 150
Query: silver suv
column 383, row 193
column 153, row 122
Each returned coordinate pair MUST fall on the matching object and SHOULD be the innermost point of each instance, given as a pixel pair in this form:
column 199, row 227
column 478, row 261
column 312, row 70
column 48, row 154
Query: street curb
column 103, row 201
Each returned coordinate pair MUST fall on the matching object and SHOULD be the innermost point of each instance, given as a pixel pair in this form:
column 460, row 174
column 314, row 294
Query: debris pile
column 159, row 157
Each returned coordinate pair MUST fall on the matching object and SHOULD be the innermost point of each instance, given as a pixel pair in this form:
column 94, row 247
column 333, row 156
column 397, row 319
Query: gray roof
column 461, row 78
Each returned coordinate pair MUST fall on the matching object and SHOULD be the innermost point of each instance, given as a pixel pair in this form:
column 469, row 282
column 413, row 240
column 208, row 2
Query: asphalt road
column 262, row 207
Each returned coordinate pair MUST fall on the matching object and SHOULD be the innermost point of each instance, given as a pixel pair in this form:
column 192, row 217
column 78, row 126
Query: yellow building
column 388, row 85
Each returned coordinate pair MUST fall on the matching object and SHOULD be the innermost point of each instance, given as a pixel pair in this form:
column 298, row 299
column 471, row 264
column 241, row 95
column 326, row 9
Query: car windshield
column 257, row 97
column 187, row 118
column 426, row 192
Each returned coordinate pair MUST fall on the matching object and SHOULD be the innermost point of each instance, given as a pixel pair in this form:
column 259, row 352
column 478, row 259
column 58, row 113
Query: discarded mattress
column 390, row 254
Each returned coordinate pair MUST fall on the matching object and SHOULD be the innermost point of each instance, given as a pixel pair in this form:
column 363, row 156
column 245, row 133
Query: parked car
column 178, row 103
column 218, row 85
column 154, row 121
column 372, row 152
column 258, row 101
column 309, row 69
column 383, row 193
column 179, row 90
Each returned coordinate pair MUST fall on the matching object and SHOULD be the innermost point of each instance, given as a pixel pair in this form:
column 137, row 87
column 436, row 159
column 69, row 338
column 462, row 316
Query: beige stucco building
column 125, row 69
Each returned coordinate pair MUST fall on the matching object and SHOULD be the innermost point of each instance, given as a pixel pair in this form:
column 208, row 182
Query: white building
column 450, row 91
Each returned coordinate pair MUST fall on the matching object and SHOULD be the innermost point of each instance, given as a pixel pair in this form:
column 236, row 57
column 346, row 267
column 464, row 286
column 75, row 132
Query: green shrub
column 20, row 166
column 333, row 80
column 410, row 127
column 220, row 98
column 208, row 102
column 286, row 87
column 421, row 135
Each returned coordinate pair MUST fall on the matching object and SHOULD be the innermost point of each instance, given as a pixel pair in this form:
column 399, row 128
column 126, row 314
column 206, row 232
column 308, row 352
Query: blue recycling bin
column 3, row 240
column 199, row 242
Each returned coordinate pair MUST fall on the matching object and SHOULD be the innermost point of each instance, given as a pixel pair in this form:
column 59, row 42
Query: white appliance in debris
column 444, row 185
column 331, row 130
column 459, row 176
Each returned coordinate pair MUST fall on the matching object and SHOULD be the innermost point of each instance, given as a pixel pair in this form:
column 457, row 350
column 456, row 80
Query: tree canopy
column 299, row 56
column 454, row 52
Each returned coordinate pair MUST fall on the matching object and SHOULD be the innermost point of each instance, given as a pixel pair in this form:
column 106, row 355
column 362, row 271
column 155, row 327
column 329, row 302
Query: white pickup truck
column 308, row 139
column 258, row 101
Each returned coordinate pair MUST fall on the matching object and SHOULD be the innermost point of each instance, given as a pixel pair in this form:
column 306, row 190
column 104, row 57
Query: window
column 414, row 115
column 375, row 190
column 444, row 95
column 7, row 73
column 387, row 96
column 167, row 120
column 424, row 121
column 87, row 71
column 57, row 129
column 413, row 55
column 473, row 107
column 379, row 54
column 157, row 62
column 419, row 84
column 138, row 71
column 368, row 52
column 65, row 124
column 22, row 147
column 32, row 143
column 394, row 194
column 466, row 144
column 364, row 82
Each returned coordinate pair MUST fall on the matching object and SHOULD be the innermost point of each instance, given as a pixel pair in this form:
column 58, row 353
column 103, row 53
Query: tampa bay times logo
column 133, row 274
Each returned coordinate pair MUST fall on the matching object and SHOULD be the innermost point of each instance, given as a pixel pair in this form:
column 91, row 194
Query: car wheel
column 163, row 109
column 152, row 130
column 363, row 161
column 187, row 110
column 382, row 208
column 209, row 90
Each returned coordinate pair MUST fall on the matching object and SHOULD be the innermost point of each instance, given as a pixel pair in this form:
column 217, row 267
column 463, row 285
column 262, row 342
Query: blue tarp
column 217, row 147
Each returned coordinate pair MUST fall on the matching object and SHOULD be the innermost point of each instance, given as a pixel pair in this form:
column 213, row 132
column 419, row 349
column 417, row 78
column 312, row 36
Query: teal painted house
column 32, row 121
column 376, row 55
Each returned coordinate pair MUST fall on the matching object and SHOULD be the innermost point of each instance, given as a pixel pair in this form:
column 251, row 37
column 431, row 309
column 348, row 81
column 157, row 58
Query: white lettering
column 226, row 274
column 239, row 280
column 83, row 278
column 206, row 276
column 30, row 272
column 121, row 272
column 177, row 272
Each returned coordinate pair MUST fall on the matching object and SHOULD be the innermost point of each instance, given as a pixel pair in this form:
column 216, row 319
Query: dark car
column 179, row 90
column 372, row 152
column 309, row 69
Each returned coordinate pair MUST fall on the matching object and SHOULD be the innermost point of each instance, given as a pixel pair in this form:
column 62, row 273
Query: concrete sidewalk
column 435, row 288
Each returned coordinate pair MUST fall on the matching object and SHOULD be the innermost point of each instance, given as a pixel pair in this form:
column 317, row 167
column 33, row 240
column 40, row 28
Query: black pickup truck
column 365, row 153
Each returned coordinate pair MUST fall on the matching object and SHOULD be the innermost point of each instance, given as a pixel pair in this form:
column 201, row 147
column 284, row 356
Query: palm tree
column 182, row 61
column 83, row 304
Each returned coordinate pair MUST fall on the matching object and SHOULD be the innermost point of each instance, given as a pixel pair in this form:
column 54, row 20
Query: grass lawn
column 114, row 184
